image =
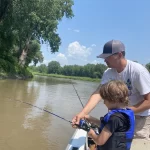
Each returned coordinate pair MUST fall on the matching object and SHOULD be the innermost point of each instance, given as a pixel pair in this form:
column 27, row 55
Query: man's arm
column 143, row 105
column 92, row 120
column 92, row 102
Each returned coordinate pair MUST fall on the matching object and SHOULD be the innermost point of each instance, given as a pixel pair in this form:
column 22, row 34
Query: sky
column 98, row 21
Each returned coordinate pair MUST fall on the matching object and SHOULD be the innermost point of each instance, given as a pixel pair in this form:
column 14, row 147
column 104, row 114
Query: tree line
column 89, row 70
column 24, row 25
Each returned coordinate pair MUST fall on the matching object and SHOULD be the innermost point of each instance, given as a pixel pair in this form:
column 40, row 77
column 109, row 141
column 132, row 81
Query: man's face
column 112, row 60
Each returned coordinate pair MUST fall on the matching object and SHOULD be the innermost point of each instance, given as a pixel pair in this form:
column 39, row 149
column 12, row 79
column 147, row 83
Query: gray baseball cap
column 112, row 47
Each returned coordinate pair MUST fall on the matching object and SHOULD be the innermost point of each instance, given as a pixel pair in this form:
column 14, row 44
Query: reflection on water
column 24, row 127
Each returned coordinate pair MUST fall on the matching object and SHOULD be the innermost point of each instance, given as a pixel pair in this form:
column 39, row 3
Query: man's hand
column 92, row 102
column 77, row 118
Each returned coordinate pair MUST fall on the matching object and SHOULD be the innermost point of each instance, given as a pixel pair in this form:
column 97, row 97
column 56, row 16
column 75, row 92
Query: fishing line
column 86, row 143
column 44, row 110
column 77, row 94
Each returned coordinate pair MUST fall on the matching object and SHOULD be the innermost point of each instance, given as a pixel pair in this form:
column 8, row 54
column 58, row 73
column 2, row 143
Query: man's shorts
column 142, row 127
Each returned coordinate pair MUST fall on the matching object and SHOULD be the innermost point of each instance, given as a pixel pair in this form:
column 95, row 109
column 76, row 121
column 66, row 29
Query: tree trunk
column 22, row 58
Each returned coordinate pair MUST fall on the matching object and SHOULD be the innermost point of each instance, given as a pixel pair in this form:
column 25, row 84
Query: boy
column 117, row 126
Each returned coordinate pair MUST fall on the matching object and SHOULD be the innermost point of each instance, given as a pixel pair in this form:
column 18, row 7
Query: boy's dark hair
column 115, row 91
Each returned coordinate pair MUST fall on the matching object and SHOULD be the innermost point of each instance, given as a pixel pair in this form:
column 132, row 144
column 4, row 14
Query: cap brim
column 104, row 55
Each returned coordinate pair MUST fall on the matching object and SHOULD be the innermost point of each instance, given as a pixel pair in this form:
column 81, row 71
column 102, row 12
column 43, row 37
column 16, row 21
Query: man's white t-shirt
column 137, row 79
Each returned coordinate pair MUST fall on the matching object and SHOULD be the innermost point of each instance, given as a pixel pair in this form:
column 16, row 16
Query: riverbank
column 68, row 77
column 15, row 76
column 23, row 77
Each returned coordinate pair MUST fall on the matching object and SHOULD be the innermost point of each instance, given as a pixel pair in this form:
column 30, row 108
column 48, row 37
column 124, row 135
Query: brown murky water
column 23, row 127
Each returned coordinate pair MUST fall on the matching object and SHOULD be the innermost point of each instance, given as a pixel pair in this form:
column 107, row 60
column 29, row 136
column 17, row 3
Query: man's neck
column 122, row 65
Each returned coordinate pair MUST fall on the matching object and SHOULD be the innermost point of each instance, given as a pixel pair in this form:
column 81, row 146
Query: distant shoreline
column 6, row 76
column 68, row 77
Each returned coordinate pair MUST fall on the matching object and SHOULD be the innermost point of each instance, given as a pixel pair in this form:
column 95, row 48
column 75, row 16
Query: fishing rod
column 77, row 94
column 44, row 110
column 81, row 101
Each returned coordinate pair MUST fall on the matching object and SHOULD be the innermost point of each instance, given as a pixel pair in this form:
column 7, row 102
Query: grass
column 67, row 77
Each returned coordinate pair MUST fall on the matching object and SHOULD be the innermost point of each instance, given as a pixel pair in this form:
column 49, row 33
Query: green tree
column 33, row 68
column 34, row 54
column 89, row 70
column 67, row 70
column 29, row 21
column 42, row 68
column 99, row 70
column 148, row 67
column 39, row 20
column 53, row 67
column 76, row 70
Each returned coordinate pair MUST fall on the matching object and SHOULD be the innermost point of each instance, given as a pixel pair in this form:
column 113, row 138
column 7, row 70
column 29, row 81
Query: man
column 137, row 79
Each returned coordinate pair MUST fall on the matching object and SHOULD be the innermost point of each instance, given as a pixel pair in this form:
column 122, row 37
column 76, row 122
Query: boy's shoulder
column 115, row 116
column 120, row 115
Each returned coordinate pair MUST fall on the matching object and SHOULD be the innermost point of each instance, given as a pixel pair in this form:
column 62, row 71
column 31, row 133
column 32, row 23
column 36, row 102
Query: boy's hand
column 83, row 124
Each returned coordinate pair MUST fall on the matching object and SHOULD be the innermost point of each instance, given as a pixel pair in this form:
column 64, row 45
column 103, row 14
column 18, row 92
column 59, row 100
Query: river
column 24, row 127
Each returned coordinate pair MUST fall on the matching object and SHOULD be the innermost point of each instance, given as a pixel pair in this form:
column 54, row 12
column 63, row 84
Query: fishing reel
column 85, row 125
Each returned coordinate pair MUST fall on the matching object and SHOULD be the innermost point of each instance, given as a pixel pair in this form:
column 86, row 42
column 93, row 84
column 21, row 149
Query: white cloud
column 46, row 62
column 93, row 45
column 78, row 51
column 62, row 59
column 76, row 30
column 95, row 62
